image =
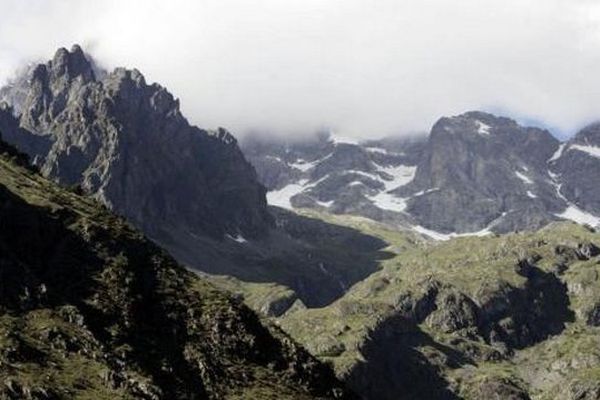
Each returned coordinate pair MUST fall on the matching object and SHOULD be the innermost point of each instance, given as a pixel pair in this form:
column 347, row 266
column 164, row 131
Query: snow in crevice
column 325, row 204
column 558, row 153
column 524, row 178
column 376, row 150
column 483, row 129
column 381, row 150
column 572, row 212
column 237, row 238
column 423, row 192
column 531, row 194
column 304, row 165
column 365, row 174
column 401, row 175
column 593, row 151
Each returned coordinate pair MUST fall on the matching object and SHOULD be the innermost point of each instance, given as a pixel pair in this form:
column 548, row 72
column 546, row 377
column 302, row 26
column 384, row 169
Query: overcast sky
column 366, row 68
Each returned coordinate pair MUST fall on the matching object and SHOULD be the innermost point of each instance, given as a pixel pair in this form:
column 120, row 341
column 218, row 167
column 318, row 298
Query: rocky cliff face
column 92, row 309
column 125, row 142
column 483, row 172
column 335, row 174
column 576, row 165
column 474, row 174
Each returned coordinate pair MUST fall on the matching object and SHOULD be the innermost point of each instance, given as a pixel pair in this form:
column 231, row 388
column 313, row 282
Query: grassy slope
column 90, row 309
column 472, row 266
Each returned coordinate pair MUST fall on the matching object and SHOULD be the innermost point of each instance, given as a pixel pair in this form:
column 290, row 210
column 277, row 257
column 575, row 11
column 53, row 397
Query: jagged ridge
column 126, row 143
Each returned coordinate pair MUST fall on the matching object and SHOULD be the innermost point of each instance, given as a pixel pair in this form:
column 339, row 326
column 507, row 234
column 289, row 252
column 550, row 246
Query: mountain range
column 474, row 174
column 125, row 143
column 462, row 264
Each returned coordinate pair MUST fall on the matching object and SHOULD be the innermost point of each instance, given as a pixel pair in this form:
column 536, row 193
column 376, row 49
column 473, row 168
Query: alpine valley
column 146, row 258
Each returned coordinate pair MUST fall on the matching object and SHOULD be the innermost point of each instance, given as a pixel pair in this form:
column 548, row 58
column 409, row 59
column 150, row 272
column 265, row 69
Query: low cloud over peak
column 363, row 68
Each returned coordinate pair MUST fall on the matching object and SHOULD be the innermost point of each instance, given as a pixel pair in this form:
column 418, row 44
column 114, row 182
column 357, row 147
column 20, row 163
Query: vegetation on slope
column 513, row 316
column 90, row 309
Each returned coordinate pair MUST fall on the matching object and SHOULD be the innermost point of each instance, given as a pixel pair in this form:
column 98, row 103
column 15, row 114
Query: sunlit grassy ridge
column 523, row 267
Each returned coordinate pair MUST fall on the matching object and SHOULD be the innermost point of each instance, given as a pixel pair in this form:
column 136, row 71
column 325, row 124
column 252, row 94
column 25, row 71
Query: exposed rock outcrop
column 125, row 142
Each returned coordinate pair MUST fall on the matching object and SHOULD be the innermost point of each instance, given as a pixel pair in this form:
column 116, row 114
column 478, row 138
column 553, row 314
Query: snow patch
column 593, row 151
column 281, row 197
column 363, row 173
column 483, row 129
column 422, row 192
column 387, row 201
column 558, row 153
column 530, row 194
column 304, row 165
column 325, row 204
column 447, row 236
column 576, row 214
column 401, row 175
column 376, row 150
column 524, row 178
column 381, row 150
column 572, row 212
column 237, row 238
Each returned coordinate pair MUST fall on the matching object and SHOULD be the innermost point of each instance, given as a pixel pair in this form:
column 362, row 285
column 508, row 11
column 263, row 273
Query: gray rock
column 114, row 137
column 475, row 171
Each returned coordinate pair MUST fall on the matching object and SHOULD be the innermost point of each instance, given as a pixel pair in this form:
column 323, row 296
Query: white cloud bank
column 364, row 67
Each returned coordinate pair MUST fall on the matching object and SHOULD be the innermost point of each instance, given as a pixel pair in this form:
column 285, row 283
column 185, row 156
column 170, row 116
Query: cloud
column 366, row 68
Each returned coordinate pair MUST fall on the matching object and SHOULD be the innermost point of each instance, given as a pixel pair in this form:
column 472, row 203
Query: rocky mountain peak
column 128, row 89
column 473, row 125
column 475, row 173
column 589, row 135
column 114, row 136
column 72, row 64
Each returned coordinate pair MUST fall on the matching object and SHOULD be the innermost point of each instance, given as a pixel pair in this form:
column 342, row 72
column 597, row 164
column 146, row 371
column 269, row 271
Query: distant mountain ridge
column 475, row 173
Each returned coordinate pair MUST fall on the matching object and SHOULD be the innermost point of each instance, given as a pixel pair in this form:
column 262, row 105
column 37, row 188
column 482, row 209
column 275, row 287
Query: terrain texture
column 473, row 174
column 90, row 309
column 511, row 316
